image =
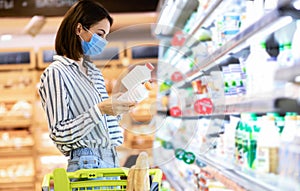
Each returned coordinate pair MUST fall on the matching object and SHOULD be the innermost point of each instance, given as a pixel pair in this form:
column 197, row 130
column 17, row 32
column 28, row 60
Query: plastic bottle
column 249, row 14
column 287, row 136
column 246, row 139
column 236, row 79
column 267, row 147
column 227, row 79
column 240, row 135
column 269, row 5
column 254, row 71
column 251, row 141
column 296, row 43
column 138, row 75
column 285, row 57
column 279, row 120
column 137, row 94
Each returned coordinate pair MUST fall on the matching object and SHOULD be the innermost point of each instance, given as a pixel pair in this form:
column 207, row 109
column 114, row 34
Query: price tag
column 189, row 158
column 167, row 145
column 176, row 77
column 178, row 39
column 179, row 153
column 203, row 106
column 175, row 111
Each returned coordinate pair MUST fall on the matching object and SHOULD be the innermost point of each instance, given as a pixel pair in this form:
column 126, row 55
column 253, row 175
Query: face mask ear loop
column 80, row 37
column 88, row 30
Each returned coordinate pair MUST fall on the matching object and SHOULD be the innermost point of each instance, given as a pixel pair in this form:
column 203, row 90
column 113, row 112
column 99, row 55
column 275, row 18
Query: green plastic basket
column 60, row 180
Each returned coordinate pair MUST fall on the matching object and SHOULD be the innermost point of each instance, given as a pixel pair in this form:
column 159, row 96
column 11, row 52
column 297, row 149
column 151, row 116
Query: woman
column 81, row 117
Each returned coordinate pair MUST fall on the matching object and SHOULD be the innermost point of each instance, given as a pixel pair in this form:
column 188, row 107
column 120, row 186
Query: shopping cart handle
column 95, row 173
column 61, row 180
column 46, row 182
column 157, row 173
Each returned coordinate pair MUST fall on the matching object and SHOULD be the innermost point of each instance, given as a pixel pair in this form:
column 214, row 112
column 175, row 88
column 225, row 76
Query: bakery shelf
column 48, row 151
column 143, row 117
column 15, row 122
column 16, row 151
column 249, row 180
column 16, row 94
column 26, row 180
column 15, row 186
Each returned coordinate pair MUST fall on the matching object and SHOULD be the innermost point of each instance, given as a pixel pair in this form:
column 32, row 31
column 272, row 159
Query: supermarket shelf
column 176, row 20
column 240, row 104
column 249, row 179
column 15, row 122
column 16, row 151
column 21, row 181
column 204, row 17
column 173, row 178
column 261, row 25
column 48, row 151
column 15, row 186
column 260, row 104
column 288, row 73
column 10, row 95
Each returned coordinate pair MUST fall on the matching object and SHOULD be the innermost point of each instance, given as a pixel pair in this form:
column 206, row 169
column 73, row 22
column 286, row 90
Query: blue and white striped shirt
column 69, row 98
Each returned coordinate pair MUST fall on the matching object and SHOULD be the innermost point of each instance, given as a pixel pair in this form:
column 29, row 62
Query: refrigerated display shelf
column 204, row 17
column 247, row 179
column 260, row 104
column 177, row 13
column 243, row 104
column 290, row 74
column 262, row 25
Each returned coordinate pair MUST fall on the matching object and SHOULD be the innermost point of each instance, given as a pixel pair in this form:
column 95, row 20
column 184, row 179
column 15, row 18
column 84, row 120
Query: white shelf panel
column 249, row 179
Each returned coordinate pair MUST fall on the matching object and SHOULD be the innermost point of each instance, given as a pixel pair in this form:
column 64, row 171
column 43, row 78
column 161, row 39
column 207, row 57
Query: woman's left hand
column 113, row 106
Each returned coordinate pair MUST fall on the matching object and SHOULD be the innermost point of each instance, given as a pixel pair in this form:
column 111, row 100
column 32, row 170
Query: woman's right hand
column 113, row 106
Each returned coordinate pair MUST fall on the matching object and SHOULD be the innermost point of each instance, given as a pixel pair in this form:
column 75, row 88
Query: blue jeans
column 88, row 158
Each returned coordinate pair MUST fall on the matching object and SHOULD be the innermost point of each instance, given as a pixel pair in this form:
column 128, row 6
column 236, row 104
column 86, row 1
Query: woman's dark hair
column 86, row 12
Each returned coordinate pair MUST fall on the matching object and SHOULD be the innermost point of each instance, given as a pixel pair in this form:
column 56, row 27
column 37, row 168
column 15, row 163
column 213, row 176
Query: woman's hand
column 113, row 106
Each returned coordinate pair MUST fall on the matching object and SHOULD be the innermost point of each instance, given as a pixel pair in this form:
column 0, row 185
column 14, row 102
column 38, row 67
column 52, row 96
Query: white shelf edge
column 288, row 73
column 246, row 179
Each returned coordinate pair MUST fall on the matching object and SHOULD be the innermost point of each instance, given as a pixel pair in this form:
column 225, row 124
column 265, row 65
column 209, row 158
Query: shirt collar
column 64, row 60
column 68, row 62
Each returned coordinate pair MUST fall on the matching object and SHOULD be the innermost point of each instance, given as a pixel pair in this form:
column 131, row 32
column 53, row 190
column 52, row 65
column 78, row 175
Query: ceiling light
column 35, row 25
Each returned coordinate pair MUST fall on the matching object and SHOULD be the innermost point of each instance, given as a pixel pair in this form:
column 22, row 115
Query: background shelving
column 23, row 127
column 196, row 58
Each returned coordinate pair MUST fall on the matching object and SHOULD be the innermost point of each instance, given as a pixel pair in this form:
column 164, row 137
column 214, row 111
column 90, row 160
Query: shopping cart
column 86, row 179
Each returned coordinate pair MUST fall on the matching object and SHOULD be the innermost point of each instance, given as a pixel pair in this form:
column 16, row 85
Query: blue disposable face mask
column 95, row 46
